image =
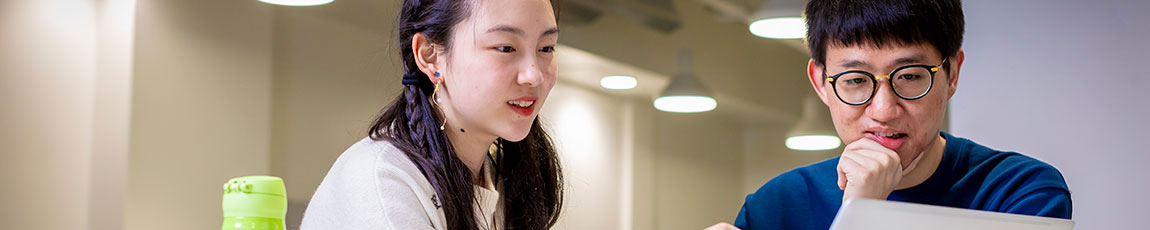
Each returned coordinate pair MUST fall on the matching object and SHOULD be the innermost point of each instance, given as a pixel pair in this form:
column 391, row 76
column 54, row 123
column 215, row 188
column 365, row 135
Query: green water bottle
column 254, row 202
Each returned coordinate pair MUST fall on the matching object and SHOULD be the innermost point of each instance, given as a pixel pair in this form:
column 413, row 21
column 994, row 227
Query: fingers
column 876, row 151
column 875, row 156
column 867, row 169
column 849, row 168
column 722, row 226
column 842, row 176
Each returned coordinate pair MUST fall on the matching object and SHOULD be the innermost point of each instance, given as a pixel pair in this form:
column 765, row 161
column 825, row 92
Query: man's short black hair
column 880, row 23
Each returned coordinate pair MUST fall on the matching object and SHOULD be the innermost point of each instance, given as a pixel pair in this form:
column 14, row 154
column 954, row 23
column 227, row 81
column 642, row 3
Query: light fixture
column 297, row 2
column 780, row 19
column 780, row 28
column 685, row 94
column 618, row 82
column 685, row 103
column 813, row 131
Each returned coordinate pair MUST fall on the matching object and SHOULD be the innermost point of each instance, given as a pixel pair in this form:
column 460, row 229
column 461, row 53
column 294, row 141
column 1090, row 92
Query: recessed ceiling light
column 813, row 142
column 618, row 82
column 780, row 28
column 685, row 103
column 297, row 2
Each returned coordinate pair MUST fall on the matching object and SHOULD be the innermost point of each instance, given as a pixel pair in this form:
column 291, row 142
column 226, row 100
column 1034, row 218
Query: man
column 887, row 69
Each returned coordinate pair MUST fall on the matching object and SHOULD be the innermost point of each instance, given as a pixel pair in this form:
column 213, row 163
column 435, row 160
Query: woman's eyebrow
column 518, row 31
column 551, row 31
column 507, row 29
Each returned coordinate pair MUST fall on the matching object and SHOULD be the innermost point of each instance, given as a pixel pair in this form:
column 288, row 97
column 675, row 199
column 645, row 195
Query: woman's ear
column 426, row 55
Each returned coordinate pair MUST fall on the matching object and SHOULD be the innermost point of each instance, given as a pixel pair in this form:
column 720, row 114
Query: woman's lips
column 524, row 106
column 523, row 111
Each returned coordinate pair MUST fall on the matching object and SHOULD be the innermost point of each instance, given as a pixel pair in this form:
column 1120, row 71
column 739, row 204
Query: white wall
column 112, row 113
column 47, row 81
column 201, row 108
column 331, row 76
column 698, row 170
column 587, row 128
column 64, row 95
column 628, row 166
column 1065, row 82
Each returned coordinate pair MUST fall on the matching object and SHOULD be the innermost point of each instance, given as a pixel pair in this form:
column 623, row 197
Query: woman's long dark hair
column 527, row 176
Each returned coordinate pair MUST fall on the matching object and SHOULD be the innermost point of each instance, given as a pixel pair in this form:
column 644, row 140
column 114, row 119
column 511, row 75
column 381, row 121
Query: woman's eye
column 505, row 49
column 547, row 49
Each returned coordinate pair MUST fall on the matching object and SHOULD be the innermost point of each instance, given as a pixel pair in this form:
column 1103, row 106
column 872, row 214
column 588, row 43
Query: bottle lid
column 255, row 196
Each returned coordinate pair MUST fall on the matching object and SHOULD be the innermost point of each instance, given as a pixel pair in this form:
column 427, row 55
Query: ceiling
column 756, row 80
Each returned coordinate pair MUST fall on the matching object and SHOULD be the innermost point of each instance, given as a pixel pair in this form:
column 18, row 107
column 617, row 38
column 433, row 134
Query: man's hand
column 722, row 226
column 868, row 170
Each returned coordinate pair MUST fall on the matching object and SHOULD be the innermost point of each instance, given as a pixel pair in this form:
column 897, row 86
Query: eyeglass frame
column 933, row 69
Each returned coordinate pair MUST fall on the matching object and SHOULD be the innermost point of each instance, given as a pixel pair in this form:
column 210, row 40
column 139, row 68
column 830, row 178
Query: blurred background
column 126, row 114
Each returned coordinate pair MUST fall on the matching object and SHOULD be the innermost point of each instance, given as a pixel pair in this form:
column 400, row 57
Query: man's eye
column 909, row 77
column 855, row 81
column 547, row 49
column 505, row 49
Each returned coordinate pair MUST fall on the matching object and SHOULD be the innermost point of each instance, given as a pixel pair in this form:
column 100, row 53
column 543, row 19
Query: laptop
column 867, row 214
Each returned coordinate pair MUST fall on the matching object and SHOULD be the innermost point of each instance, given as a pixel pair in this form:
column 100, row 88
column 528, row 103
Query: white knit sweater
column 374, row 185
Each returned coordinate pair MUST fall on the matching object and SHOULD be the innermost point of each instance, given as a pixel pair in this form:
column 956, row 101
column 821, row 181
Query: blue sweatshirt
column 969, row 176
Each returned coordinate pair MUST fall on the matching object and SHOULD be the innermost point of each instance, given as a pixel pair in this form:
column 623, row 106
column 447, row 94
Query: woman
column 461, row 148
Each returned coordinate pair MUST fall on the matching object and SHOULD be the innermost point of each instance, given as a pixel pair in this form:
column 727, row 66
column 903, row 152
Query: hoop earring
column 435, row 101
